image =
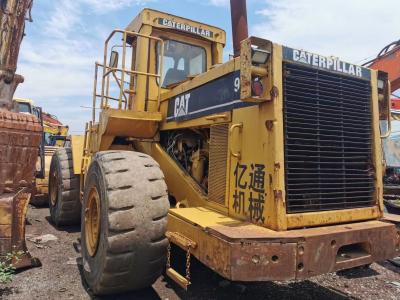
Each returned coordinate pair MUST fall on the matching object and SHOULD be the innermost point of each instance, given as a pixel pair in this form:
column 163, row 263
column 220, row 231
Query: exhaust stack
column 239, row 24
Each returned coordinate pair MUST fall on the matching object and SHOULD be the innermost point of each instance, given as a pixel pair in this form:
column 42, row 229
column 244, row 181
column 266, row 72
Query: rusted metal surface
column 392, row 218
column 12, row 25
column 247, row 253
column 262, row 261
column 13, row 209
column 243, row 251
column 181, row 240
column 347, row 247
column 20, row 136
column 239, row 24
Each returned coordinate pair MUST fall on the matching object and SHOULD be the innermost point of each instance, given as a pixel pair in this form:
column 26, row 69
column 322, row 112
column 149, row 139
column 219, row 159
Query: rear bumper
column 313, row 253
column 245, row 252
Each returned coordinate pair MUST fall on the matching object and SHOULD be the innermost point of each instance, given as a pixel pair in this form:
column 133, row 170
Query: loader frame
column 240, row 244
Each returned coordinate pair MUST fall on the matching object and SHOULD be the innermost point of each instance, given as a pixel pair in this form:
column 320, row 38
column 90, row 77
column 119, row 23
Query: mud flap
column 13, row 209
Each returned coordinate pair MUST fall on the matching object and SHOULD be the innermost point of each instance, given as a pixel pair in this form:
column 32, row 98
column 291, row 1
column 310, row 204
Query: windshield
column 181, row 60
column 24, row 107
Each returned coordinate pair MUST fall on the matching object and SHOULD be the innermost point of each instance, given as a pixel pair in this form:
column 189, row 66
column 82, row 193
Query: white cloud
column 219, row 2
column 64, row 18
column 353, row 30
column 109, row 5
column 57, row 61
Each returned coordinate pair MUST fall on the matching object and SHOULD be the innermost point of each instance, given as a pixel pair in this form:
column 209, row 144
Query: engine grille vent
column 218, row 163
column 327, row 140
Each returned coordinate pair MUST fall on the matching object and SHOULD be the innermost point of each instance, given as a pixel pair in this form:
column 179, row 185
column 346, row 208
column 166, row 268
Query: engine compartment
column 190, row 149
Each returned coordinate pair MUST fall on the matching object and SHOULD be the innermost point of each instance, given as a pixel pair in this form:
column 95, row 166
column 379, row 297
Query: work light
column 259, row 56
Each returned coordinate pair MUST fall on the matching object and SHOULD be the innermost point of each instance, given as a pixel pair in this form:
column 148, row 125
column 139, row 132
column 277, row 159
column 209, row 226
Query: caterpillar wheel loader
column 265, row 167
column 20, row 136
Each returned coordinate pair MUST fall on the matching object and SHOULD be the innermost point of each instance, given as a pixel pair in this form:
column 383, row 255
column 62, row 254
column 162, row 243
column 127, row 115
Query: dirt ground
column 59, row 277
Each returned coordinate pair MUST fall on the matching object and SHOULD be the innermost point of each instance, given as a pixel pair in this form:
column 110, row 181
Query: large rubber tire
column 64, row 203
column 132, row 246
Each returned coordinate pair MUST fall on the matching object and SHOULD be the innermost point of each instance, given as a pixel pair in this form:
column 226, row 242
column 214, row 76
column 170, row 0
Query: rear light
column 257, row 87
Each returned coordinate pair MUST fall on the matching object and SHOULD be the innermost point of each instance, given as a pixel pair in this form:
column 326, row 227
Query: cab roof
column 23, row 100
column 163, row 20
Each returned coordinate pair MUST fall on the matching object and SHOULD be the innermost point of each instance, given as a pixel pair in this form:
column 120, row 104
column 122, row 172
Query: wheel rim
column 54, row 188
column 92, row 221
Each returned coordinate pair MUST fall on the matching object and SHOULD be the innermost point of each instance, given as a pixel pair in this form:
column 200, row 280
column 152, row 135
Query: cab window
column 24, row 107
column 180, row 61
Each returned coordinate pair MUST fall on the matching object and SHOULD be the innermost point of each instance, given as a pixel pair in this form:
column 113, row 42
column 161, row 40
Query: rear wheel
column 64, row 202
column 124, row 222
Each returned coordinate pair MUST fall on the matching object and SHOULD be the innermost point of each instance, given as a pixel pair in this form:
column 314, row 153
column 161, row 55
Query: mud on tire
column 64, row 202
column 132, row 247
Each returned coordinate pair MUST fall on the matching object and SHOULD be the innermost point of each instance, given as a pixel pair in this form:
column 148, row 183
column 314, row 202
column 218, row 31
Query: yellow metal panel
column 376, row 142
column 210, row 250
column 77, row 152
column 142, row 63
column 332, row 217
column 124, row 123
column 257, row 176
column 203, row 217
column 199, row 122
column 150, row 17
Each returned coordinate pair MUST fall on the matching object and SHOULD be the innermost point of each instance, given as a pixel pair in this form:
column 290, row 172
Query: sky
column 67, row 36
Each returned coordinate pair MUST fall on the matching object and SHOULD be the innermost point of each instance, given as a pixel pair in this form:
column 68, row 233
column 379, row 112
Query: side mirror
column 114, row 59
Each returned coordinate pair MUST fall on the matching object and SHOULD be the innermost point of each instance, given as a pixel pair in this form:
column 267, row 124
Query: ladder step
column 178, row 278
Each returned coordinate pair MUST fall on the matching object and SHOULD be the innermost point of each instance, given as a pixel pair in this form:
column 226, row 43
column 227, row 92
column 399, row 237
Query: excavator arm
column 388, row 60
column 20, row 136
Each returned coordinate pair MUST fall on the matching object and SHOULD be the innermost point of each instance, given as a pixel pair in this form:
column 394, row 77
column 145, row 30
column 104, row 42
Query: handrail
column 110, row 70
column 107, row 70
column 122, row 99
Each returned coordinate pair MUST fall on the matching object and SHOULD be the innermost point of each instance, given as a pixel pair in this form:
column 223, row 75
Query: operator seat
column 174, row 75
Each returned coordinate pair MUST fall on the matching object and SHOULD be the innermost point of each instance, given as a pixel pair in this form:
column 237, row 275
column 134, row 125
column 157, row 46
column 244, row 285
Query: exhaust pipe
column 239, row 24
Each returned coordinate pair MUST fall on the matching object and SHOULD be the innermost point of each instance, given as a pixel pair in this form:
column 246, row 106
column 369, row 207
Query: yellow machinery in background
column 55, row 135
column 266, row 167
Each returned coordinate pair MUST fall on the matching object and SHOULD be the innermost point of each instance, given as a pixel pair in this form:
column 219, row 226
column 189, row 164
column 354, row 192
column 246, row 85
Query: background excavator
column 20, row 136
column 388, row 60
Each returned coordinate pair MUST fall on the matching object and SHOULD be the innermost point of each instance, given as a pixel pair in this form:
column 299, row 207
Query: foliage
column 7, row 268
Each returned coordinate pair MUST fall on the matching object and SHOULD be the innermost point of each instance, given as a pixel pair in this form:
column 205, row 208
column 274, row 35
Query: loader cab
column 24, row 105
column 157, row 52
column 190, row 48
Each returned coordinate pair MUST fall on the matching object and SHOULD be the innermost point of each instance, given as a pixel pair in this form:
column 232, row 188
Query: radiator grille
column 327, row 140
column 218, row 163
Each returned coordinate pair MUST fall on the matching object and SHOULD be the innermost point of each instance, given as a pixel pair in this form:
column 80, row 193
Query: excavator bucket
column 20, row 136
column 13, row 208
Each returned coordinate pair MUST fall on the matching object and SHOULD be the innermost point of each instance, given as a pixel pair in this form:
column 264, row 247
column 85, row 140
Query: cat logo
column 181, row 105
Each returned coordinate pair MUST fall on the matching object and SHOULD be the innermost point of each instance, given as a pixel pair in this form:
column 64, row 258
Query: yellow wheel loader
column 266, row 167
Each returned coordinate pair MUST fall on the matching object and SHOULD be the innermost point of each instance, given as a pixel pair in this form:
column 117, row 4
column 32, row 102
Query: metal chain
column 169, row 256
column 188, row 263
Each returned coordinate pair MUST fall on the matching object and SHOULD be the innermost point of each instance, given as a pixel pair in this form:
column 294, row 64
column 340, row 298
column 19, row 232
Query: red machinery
column 388, row 60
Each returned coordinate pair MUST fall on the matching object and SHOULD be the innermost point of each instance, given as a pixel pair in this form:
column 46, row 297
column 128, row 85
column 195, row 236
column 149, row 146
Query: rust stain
column 12, row 237
column 269, row 125
column 278, row 195
column 20, row 136
column 274, row 93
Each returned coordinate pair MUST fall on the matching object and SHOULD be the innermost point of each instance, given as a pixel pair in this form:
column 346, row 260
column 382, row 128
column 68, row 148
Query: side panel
column 256, row 160
column 77, row 152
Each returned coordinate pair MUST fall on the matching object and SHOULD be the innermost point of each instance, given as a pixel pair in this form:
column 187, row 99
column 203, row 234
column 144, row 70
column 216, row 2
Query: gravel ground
column 59, row 277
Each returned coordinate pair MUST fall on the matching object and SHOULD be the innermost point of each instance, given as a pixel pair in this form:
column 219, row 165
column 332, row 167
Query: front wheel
column 124, row 221
column 64, row 202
